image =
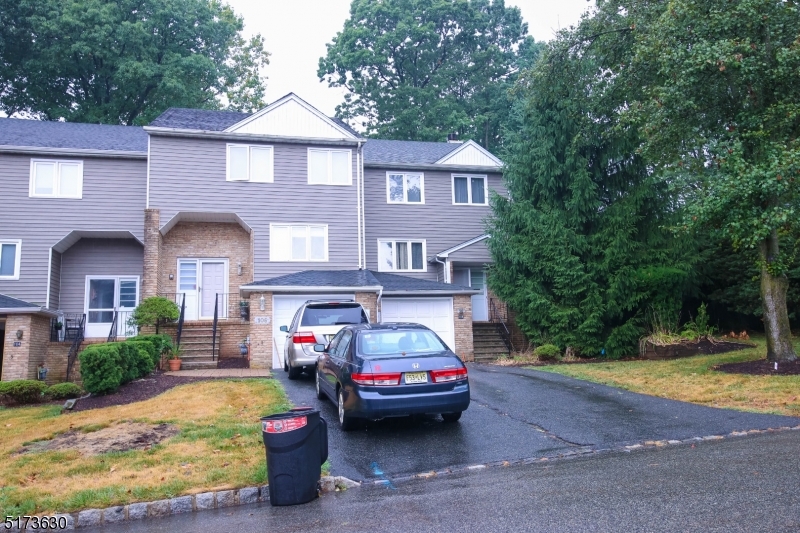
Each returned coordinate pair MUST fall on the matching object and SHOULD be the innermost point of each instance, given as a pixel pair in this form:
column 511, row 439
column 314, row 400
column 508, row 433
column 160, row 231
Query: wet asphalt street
column 518, row 414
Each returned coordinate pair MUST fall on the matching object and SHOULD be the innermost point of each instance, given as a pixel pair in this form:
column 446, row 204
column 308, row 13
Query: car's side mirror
column 285, row 329
column 319, row 347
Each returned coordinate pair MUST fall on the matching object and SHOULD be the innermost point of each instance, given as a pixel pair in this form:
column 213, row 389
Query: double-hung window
column 329, row 167
column 10, row 252
column 56, row 179
column 405, row 188
column 470, row 190
column 401, row 255
column 250, row 163
column 293, row 242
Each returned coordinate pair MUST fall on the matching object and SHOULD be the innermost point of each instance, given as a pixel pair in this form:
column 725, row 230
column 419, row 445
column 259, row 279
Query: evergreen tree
column 581, row 246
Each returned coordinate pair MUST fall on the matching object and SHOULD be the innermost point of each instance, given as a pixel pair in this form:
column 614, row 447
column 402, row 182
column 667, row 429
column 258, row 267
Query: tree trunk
column 773, row 300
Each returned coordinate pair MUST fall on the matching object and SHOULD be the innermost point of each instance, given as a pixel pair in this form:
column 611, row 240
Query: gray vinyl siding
column 189, row 175
column 55, row 280
column 96, row 257
column 113, row 199
column 474, row 253
column 440, row 223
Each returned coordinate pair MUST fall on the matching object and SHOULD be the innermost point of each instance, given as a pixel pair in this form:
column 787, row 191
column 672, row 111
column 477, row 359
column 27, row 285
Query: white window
column 405, row 188
column 470, row 190
column 10, row 252
column 404, row 255
column 329, row 167
column 250, row 163
column 56, row 179
column 290, row 242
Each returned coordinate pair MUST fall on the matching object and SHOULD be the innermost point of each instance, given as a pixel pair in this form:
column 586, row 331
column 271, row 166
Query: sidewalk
column 222, row 373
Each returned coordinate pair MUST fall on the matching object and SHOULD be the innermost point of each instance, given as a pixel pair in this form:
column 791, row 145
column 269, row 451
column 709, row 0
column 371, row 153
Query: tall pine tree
column 581, row 246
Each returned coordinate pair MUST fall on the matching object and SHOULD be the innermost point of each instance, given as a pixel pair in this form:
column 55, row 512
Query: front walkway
column 222, row 373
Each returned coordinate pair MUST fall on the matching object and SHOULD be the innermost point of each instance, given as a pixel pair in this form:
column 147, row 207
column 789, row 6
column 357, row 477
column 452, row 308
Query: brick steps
column 487, row 343
column 196, row 344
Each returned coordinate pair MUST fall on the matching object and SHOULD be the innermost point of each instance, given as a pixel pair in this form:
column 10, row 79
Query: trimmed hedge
column 102, row 368
column 160, row 344
column 547, row 352
column 23, row 390
column 64, row 391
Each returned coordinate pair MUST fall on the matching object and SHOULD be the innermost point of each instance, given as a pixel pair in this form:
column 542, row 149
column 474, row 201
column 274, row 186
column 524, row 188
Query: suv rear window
column 333, row 315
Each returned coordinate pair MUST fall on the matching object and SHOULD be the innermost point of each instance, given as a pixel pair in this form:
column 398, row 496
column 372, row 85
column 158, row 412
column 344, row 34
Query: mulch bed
column 762, row 367
column 135, row 391
column 233, row 362
column 702, row 346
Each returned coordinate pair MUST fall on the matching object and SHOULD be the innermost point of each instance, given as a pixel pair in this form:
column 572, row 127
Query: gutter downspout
column 378, row 305
column 445, row 269
column 358, row 200
column 363, row 249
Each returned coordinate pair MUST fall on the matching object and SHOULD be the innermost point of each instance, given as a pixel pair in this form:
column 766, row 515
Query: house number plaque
column 262, row 320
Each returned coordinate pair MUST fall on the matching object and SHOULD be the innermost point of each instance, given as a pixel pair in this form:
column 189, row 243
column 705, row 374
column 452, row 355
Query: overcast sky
column 296, row 32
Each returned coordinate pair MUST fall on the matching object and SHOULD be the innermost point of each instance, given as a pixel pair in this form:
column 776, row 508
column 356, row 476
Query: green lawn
column 692, row 380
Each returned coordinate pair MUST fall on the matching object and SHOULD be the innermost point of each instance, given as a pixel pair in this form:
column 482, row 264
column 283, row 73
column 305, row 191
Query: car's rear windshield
column 394, row 342
column 333, row 315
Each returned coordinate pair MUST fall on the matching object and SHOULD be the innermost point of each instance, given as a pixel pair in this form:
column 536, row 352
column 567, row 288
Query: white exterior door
column 104, row 296
column 213, row 283
column 480, row 305
column 435, row 313
column 283, row 310
column 187, row 286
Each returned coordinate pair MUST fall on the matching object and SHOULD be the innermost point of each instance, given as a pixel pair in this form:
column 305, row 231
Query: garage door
column 283, row 310
column 436, row 313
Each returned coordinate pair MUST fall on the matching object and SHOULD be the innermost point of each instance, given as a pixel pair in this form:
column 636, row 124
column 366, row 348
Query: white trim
column 358, row 201
column 247, row 137
column 246, row 290
column 306, row 225
column 463, row 245
column 116, row 306
column 469, row 177
column 49, row 275
column 424, row 242
column 56, row 178
column 199, row 280
column 17, row 258
column 465, row 146
column 72, row 152
column 329, row 177
column 294, row 98
column 405, row 191
column 147, row 188
column 270, row 173
column 210, row 217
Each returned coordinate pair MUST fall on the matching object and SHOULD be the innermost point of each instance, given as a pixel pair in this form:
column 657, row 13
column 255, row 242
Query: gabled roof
column 460, row 246
column 470, row 153
column 410, row 152
column 354, row 280
column 15, row 132
column 198, row 119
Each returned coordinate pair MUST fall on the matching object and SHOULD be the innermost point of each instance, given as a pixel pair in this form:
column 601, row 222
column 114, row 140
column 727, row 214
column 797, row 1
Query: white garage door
column 436, row 313
column 283, row 310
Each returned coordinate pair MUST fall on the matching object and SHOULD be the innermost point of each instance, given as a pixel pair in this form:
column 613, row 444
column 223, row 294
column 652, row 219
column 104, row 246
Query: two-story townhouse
column 242, row 217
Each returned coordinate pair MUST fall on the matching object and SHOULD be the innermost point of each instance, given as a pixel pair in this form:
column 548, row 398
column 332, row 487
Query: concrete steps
column 487, row 343
column 196, row 344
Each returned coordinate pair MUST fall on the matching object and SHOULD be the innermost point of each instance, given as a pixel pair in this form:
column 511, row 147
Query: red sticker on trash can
column 283, row 425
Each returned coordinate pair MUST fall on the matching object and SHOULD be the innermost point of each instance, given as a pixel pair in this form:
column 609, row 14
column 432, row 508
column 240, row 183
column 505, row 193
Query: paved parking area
column 517, row 414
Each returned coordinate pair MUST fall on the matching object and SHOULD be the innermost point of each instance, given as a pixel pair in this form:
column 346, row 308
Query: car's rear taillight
column 304, row 337
column 377, row 379
column 450, row 374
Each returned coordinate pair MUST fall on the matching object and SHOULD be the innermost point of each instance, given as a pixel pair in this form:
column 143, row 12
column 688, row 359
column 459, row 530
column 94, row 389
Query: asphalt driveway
column 518, row 414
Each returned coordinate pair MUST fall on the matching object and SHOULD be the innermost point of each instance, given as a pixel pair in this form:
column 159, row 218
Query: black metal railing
column 112, row 334
column 214, row 328
column 121, row 325
column 232, row 307
column 74, row 349
column 180, row 322
column 498, row 314
column 66, row 327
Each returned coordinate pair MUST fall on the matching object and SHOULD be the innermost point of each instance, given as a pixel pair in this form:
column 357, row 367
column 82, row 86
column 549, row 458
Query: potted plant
column 243, row 347
column 175, row 360
column 244, row 310
column 58, row 326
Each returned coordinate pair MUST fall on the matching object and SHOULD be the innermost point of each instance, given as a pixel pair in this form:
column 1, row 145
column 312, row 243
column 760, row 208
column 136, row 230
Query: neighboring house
column 240, row 218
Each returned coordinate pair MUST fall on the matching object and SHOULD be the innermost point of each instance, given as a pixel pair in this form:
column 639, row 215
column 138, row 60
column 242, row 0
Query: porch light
column 461, row 313
column 171, row 277
column 239, row 269
column 19, row 333
column 262, row 303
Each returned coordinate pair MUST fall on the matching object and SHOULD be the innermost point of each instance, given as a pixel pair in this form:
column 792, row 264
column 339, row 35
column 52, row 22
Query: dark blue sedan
column 374, row 371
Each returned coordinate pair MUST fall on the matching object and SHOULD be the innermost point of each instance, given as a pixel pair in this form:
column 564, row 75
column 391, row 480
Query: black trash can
column 297, row 445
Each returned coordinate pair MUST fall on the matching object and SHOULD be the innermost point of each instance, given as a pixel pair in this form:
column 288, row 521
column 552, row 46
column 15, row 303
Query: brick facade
column 20, row 362
column 463, row 326
column 207, row 240
column 261, row 341
column 369, row 301
column 151, row 280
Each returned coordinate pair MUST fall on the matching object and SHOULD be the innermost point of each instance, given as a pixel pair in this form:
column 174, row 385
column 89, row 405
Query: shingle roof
column 411, row 152
column 198, row 119
column 74, row 135
column 7, row 302
column 358, row 278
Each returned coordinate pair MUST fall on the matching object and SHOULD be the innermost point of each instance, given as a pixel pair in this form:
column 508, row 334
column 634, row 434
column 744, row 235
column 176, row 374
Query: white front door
column 187, row 287
column 104, row 296
column 480, row 306
column 435, row 313
column 213, row 284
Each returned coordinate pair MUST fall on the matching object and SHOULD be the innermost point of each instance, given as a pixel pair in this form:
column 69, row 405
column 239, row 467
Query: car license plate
column 416, row 377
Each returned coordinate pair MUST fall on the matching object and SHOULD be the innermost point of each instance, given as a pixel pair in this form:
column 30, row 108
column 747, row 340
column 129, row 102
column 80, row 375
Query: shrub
column 154, row 310
column 160, row 343
column 102, row 367
column 64, row 391
column 152, row 355
column 548, row 352
column 23, row 390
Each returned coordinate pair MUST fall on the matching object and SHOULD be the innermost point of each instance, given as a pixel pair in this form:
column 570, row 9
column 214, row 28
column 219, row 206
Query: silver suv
column 316, row 322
